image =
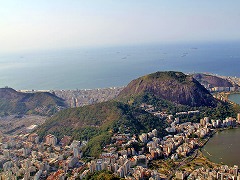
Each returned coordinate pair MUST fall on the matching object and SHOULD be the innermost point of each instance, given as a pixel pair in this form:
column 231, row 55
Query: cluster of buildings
column 232, row 86
column 161, row 114
column 188, row 112
column 221, row 173
column 77, row 98
column 128, row 157
column 201, row 129
column 25, row 157
column 222, row 89
column 228, row 122
column 47, row 110
column 123, row 159
column 81, row 97
column 234, row 80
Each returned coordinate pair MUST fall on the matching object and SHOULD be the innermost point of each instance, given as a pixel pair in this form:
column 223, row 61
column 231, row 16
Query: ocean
column 89, row 68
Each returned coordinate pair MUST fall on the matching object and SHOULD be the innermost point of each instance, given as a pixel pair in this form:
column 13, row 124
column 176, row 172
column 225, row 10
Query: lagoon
column 235, row 98
column 224, row 147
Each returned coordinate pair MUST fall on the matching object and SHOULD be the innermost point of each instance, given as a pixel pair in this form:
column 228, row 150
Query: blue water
column 234, row 98
column 113, row 66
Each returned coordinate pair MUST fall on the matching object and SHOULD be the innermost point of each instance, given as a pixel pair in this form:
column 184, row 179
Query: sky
column 28, row 25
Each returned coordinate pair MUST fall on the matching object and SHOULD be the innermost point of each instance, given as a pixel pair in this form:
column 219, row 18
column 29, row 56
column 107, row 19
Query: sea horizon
column 116, row 66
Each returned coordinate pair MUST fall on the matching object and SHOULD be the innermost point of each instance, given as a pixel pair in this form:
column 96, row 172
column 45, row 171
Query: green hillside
column 42, row 103
column 98, row 122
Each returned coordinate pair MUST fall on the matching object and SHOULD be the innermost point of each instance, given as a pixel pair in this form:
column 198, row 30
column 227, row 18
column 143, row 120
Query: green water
column 234, row 98
column 224, row 147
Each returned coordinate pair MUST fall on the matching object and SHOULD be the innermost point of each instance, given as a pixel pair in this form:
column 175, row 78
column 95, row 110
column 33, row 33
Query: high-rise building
column 202, row 122
column 143, row 137
column 50, row 140
column 76, row 152
column 206, row 119
column 6, row 153
column 65, row 140
column 238, row 117
column 235, row 170
column 120, row 172
column 154, row 132
column 32, row 137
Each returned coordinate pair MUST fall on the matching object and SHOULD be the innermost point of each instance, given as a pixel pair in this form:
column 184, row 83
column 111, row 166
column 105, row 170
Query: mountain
column 167, row 91
column 211, row 80
column 174, row 87
column 42, row 103
column 97, row 122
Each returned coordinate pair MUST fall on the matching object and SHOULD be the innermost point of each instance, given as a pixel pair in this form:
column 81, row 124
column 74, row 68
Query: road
column 184, row 162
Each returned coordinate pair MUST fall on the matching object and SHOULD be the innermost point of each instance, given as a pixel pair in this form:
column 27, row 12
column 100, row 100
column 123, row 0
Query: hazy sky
column 52, row 24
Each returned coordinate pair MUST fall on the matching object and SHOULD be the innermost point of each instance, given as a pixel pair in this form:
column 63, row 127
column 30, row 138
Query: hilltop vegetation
column 175, row 87
column 41, row 103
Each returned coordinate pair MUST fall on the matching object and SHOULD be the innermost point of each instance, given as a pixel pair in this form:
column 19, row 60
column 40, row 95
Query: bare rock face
column 212, row 81
column 175, row 87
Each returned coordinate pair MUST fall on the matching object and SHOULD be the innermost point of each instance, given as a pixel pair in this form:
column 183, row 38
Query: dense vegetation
column 101, row 175
column 42, row 103
column 98, row 122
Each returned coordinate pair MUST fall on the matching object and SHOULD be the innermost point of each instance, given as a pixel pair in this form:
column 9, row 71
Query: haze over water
column 114, row 66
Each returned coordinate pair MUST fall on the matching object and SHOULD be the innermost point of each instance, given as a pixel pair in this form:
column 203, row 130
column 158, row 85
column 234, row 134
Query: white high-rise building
column 238, row 117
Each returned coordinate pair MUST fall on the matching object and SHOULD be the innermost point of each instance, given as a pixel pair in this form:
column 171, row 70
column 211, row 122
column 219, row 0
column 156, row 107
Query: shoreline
column 209, row 155
column 231, row 100
column 53, row 90
column 232, row 79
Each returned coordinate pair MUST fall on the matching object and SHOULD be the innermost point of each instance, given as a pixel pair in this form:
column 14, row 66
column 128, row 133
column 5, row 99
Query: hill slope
column 97, row 122
column 212, row 81
column 42, row 103
column 174, row 87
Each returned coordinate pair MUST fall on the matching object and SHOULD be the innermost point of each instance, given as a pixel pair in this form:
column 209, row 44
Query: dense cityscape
column 119, row 90
column 26, row 156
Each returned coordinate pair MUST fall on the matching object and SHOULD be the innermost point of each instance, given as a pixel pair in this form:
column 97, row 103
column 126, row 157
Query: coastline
column 51, row 90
